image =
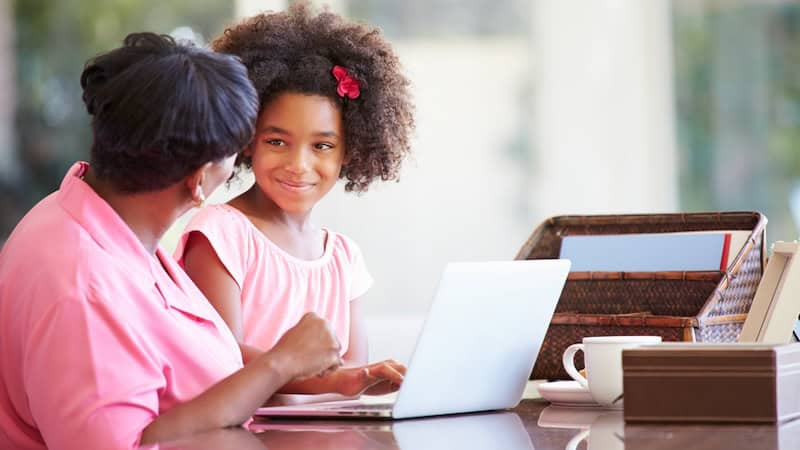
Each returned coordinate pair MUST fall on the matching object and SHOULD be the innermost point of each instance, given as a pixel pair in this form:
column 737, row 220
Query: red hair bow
column 348, row 86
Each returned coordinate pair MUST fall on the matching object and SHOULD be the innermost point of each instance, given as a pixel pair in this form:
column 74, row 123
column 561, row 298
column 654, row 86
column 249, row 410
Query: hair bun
column 92, row 79
column 152, row 42
column 99, row 70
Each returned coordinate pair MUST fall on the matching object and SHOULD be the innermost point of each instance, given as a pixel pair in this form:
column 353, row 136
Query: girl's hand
column 373, row 379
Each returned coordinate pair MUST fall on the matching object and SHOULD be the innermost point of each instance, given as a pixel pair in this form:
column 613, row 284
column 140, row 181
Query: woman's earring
column 199, row 197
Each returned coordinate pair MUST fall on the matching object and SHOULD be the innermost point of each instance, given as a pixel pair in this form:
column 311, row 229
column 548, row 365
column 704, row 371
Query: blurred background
column 525, row 109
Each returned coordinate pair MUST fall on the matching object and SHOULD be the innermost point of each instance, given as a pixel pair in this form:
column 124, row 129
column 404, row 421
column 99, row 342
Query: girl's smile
column 294, row 186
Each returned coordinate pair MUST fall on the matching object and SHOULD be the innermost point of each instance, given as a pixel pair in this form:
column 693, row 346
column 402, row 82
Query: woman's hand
column 308, row 349
column 373, row 379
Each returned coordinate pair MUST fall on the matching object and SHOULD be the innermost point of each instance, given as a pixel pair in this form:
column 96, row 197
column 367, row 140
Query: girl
column 334, row 104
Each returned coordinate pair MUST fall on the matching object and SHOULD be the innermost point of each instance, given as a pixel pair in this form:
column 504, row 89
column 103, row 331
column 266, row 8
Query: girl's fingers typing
column 387, row 372
column 397, row 366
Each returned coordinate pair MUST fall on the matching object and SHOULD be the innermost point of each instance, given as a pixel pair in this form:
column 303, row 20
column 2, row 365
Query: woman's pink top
column 96, row 339
column 276, row 287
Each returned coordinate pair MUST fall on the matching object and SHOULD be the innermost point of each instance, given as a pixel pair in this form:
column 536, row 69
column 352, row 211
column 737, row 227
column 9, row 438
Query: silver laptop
column 476, row 349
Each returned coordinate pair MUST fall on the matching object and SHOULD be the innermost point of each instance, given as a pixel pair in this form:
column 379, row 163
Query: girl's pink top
column 96, row 339
column 276, row 287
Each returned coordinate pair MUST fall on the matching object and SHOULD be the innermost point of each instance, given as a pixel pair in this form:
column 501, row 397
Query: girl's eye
column 323, row 146
column 276, row 142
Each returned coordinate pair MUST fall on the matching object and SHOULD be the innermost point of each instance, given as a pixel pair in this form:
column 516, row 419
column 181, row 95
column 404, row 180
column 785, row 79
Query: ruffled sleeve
column 229, row 235
column 361, row 279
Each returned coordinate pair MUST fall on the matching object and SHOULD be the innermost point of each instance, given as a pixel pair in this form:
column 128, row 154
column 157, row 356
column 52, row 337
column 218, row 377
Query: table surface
column 533, row 424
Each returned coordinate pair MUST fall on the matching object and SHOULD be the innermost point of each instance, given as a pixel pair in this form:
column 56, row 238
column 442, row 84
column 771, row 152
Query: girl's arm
column 307, row 349
column 357, row 349
column 372, row 379
column 209, row 274
column 205, row 268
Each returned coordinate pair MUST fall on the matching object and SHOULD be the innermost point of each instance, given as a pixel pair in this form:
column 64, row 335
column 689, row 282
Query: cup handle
column 576, row 440
column 569, row 364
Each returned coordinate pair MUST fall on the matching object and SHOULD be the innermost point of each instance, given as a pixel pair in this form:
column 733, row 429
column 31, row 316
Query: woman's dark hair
column 161, row 110
column 296, row 50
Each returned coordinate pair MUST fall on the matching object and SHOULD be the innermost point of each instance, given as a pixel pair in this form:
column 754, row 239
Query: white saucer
column 566, row 393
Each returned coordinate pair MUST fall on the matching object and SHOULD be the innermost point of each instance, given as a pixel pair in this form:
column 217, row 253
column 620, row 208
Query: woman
column 104, row 341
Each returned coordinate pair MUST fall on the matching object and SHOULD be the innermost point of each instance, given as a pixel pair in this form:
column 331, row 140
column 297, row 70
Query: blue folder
column 645, row 252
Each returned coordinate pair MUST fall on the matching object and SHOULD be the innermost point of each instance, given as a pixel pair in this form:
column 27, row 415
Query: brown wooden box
column 678, row 306
column 712, row 383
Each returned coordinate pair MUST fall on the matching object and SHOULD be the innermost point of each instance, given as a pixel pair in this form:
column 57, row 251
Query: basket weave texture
column 678, row 306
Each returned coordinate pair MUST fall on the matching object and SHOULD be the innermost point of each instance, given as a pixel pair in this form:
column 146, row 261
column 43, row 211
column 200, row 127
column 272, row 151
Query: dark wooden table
column 532, row 425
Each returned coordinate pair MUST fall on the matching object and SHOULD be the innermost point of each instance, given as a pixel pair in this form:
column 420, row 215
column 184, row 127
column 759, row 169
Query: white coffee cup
column 603, row 358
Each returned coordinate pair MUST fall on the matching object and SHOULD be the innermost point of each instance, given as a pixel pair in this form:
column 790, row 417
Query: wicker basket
column 678, row 306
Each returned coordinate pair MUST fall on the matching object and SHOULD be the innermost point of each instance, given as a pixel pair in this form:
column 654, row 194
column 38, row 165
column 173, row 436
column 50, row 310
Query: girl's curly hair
column 295, row 51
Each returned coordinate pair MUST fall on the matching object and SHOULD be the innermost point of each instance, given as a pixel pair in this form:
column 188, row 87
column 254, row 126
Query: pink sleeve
column 227, row 236
column 362, row 280
column 89, row 384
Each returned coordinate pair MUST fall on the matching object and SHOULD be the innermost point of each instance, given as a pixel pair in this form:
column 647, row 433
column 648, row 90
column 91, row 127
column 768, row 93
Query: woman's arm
column 307, row 349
